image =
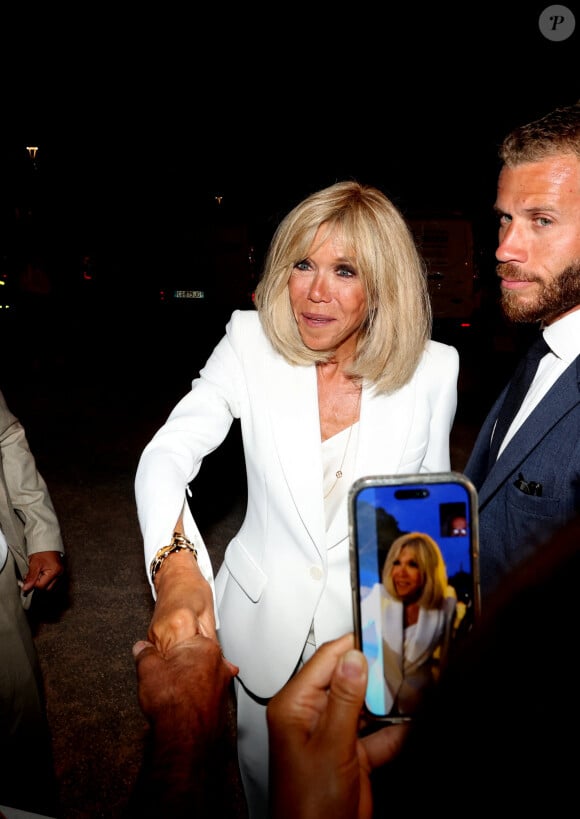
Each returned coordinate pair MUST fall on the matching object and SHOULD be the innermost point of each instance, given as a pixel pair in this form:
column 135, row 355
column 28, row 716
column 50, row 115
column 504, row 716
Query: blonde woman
column 332, row 377
column 413, row 610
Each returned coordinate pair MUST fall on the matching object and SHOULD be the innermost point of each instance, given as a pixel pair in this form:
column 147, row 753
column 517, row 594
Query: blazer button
column 316, row 572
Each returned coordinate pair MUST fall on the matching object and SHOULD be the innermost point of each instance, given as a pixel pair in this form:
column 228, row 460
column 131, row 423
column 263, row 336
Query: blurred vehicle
column 213, row 273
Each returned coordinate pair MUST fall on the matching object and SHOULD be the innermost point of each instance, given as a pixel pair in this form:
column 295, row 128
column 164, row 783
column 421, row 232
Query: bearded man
column 526, row 466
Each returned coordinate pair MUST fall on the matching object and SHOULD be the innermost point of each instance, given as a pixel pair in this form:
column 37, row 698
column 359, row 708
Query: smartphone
column 414, row 561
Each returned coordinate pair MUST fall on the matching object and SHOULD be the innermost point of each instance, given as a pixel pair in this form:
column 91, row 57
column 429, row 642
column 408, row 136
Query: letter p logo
column 557, row 23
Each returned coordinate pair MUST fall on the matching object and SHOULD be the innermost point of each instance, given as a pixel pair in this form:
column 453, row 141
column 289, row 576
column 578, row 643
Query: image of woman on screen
column 412, row 610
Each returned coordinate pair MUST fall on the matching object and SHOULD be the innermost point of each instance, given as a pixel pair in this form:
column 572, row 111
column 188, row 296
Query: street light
column 32, row 152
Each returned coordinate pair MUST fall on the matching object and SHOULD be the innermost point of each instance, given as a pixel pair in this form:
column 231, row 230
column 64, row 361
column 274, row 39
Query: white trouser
column 253, row 743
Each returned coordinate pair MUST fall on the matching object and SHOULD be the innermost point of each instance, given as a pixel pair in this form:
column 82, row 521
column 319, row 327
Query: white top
column 563, row 338
column 338, row 452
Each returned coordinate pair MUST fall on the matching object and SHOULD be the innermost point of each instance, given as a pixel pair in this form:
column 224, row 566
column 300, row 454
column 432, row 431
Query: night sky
column 141, row 118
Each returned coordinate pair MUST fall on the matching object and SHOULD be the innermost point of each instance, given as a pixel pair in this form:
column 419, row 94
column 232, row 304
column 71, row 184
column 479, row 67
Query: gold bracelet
column 178, row 543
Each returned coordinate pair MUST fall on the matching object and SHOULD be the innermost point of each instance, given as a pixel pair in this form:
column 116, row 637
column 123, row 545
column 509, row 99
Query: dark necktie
column 519, row 385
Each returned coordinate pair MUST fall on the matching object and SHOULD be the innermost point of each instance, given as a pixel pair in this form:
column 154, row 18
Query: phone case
column 414, row 553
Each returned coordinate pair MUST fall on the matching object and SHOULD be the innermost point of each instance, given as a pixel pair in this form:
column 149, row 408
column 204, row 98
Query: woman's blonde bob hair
column 375, row 234
column 431, row 566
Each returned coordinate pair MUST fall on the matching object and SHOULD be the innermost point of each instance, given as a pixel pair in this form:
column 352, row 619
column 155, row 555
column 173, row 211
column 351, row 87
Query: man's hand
column 44, row 569
column 187, row 685
column 184, row 695
column 318, row 765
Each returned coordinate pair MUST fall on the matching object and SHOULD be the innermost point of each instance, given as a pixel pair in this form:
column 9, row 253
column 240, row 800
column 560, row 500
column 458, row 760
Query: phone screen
column 415, row 581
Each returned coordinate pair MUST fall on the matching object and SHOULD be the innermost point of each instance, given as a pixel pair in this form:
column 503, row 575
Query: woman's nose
column 319, row 288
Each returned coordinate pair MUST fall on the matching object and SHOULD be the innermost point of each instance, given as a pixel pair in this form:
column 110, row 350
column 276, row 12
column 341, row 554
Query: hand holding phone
column 415, row 581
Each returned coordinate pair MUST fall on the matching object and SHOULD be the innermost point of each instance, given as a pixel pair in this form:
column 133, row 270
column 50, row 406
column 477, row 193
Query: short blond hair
column 376, row 234
column 557, row 132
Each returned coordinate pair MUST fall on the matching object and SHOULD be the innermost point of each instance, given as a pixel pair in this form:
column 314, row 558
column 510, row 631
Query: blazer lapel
column 560, row 399
column 386, row 422
column 383, row 434
column 293, row 399
column 382, row 440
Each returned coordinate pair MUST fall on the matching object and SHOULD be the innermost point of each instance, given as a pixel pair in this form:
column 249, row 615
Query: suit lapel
column 293, row 399
column 559, row 400
column 382, row 441
column 385, row 431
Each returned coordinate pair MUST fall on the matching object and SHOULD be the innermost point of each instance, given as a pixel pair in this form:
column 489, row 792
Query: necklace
column 338, row 472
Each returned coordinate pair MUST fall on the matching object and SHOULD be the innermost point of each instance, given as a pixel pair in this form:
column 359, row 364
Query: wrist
column 179, row 543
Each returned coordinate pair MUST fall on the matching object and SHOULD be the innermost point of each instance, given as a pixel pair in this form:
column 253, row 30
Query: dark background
column 143, row 115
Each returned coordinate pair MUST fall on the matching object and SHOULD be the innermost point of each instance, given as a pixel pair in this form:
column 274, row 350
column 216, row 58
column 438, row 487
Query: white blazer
column 401, row 662
column 282, row 559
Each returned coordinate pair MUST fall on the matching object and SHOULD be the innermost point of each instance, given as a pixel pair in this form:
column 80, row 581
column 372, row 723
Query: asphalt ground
column 88, row 410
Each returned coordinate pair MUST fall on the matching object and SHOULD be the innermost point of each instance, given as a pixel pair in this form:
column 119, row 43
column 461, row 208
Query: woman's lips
column 312, row 318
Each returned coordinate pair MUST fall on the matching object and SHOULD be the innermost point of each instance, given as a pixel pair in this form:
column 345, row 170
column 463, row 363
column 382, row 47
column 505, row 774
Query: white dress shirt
column 563, row 338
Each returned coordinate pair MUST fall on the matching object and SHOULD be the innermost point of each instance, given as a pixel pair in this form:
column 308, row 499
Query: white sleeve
column 196, row 426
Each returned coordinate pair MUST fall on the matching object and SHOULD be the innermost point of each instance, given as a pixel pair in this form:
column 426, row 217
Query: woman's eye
column 303, row 265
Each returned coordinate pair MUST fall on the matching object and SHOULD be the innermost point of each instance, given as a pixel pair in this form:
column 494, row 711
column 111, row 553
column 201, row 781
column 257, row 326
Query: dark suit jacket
column 546, row 449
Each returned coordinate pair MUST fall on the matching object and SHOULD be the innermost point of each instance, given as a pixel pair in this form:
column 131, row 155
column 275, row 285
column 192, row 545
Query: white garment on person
column 563, row 338
column 400, row 659
column 283, row 568
column 3, row 550
column 338, row 452
column 252, row 711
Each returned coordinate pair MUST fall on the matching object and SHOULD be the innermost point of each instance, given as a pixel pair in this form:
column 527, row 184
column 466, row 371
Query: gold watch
column 178, row 543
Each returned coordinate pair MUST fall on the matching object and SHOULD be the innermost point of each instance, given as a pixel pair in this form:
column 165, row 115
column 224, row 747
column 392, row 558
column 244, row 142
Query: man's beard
column 552, row 300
